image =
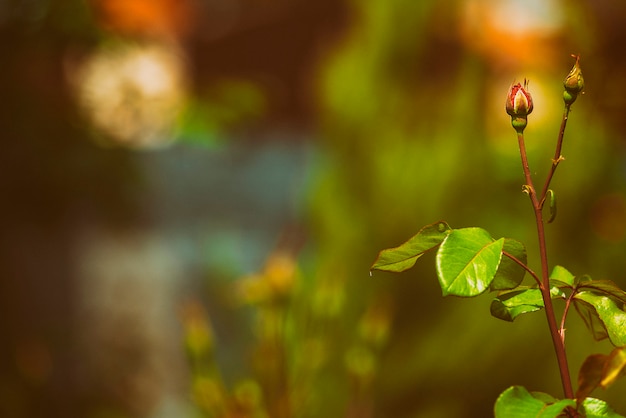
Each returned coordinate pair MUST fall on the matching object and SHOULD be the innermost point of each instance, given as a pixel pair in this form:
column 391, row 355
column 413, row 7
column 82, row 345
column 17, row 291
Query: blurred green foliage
column 406, row 140
column 223, row 107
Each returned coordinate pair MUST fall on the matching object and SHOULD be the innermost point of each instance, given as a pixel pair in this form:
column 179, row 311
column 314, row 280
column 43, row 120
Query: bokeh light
column 133, row 92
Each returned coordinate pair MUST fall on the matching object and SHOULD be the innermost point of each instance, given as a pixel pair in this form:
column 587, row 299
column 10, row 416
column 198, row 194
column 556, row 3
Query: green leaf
column 552, row 205
column 605, row 287
column 403, row 257
column 507, row 306
column 467, row 261
column 603, row 317
column 557, row 293
column 591, row 319
column 517, row 402
column 560, row 275
column 510, row 274
column 596, row 408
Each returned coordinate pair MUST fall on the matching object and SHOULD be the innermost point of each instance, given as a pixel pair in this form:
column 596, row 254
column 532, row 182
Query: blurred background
column 193, row 192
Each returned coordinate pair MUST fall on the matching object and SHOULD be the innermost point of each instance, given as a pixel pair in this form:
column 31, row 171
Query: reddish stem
column 557, row 155
column 524, row 266
column 568, row 303
column 544, row 286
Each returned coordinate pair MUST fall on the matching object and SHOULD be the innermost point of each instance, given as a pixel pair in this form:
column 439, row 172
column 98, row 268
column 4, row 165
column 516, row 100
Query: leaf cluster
column 470, row 262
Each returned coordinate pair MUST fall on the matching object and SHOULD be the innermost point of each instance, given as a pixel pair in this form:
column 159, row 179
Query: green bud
column 569, row 98
column 519, row 123
column 573, row 83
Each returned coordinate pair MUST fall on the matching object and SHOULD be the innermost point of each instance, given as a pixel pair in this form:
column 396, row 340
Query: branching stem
column 568, row 303
column 544, row 283
column 524, row 266
column 557, row 155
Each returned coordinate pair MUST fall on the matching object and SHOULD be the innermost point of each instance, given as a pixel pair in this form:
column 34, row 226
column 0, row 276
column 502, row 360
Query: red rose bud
column 518, row 101
column 574, row 82
column 519, row 105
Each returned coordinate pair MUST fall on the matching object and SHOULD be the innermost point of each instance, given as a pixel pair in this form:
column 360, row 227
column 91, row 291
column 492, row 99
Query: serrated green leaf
column 467, row 261
column 596, row 408
column 510, row 274
column 517, row 402
column 562, row 275
column 404, row 256
column 508, row 306
column 603, row 317
column 591, row 319
column 606, row 287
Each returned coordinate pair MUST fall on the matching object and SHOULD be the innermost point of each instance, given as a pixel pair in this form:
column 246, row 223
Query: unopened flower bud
column 519, row 104
column 574, row 83
column 518, row 101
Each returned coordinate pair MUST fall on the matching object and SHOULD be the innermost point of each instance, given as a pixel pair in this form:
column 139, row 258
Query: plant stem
column 557, row 155
column 568, row 303
column 524, row 266
column 544, row 286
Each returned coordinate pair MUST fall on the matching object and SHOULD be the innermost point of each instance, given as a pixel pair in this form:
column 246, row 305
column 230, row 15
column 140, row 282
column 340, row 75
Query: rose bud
column 574, row 83
column 519, row 104
column 518, row 101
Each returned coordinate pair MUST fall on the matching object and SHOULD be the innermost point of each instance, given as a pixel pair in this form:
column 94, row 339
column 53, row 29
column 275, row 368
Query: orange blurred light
column 171, row 18
column 512, row 33
column 519, row 39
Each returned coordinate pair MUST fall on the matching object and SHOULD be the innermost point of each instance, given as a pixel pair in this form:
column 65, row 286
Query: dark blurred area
column 226, row 172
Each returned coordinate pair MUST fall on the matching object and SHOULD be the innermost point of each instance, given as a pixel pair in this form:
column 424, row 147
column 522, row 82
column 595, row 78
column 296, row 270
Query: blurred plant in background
column 345, row 122
column 299, row 355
